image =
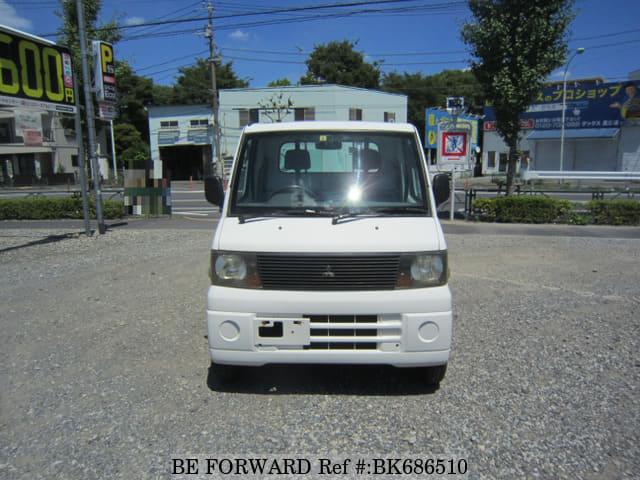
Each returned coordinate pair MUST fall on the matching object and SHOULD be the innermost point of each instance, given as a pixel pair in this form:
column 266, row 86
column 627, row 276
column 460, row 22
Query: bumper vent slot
column 350, row 332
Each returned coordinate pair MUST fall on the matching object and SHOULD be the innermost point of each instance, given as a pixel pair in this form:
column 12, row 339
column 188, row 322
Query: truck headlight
column 423, row 270
column 234, row 269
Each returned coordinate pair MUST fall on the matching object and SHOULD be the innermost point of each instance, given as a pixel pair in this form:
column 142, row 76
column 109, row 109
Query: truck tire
column 434, row 375
column 225, row 374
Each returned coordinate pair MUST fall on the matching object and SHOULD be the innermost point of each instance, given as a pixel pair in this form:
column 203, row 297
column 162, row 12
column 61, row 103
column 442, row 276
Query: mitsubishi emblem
column 328, row 273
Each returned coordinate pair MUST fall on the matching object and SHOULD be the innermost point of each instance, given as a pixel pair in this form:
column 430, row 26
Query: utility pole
column 88, row 100
column 82, row 173
column 212, row 61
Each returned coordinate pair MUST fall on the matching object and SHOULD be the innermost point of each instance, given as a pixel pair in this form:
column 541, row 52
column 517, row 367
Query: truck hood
column 319, row 235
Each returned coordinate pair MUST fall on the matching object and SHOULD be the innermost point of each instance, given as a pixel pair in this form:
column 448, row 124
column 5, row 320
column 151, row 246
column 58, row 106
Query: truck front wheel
column 224, row 374
column 434, row 375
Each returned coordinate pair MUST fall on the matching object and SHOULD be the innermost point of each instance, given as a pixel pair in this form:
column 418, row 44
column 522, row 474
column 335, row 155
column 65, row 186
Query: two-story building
column 182, row 139
column 35, row 148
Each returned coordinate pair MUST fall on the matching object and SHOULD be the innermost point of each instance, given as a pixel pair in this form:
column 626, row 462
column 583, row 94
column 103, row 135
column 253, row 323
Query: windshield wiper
column 352, row 214
column 379, row 212
column 289, row 212
column 401, row 210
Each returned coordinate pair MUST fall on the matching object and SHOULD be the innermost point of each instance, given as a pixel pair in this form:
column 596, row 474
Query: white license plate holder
column 287, row 332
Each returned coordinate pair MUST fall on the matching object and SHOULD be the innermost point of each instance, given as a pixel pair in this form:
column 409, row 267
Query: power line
column 181, row 58
column 266, row 12
column 447, row 7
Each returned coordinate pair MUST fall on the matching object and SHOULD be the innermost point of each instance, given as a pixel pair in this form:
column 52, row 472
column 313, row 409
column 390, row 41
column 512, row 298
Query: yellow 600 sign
column 34, row 71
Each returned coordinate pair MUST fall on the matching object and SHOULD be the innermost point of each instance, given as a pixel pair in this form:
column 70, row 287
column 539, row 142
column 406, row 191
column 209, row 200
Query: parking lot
column 104, row 363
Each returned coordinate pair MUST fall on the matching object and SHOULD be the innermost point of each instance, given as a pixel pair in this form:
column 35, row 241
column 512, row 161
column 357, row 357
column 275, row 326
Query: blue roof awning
column 574, row 133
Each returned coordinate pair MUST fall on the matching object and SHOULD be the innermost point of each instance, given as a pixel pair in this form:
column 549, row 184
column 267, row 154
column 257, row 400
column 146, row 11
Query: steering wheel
column 294, row 187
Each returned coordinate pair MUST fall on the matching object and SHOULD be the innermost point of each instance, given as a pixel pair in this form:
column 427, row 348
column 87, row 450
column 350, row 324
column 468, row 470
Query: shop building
column 601, row 130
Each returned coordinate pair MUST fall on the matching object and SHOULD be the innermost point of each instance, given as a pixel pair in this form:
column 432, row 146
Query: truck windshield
column 329, row 173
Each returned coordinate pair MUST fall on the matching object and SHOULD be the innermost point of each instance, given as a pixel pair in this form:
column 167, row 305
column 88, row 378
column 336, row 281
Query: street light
column 564, row 103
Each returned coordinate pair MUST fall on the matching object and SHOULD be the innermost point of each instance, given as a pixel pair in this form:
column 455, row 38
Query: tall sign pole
column 216, row 122
column 95, row 168
column 454, row 146
column 104, row 81
column 82, row 172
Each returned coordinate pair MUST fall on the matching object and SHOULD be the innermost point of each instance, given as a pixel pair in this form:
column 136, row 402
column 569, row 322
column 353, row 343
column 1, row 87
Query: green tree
column 68, row 33
column 515, row 45
column 276, row 108
column 338, row 63
column 69, row 36
column 162, row 94
column 193, row 86
column 131, row 149
column 134, row 93
column 431, row 91
column 281, row 82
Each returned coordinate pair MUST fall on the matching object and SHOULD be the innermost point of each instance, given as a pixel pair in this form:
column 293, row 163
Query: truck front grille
column 351, row 332
column 328, row 272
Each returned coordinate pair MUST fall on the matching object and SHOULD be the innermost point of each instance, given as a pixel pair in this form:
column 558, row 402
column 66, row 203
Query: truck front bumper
column 404, row 328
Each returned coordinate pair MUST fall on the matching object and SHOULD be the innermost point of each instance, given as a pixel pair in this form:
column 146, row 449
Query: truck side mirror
column 213, row 191
column 441, row 188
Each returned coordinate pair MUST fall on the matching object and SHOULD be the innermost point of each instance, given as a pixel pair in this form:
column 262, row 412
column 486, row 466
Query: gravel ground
column 104, row 365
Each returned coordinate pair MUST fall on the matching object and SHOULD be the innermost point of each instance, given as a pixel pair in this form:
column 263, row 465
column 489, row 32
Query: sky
column 270, row 41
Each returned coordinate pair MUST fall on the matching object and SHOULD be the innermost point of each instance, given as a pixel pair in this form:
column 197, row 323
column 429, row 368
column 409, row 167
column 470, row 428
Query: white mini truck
column 328, row 251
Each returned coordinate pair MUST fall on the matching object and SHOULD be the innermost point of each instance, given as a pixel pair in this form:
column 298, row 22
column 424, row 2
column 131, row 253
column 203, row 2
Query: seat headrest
column 369, row 160
column 297, row 160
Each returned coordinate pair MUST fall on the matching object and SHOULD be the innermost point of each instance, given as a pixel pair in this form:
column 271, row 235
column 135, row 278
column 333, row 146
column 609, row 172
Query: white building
column 35, row 148
column 182, row 136
column 181, row 139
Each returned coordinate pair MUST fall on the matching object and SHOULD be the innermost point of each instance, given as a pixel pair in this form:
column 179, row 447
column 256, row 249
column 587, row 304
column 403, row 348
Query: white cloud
column 240, row 35
column 11, row 18
column 133, row 21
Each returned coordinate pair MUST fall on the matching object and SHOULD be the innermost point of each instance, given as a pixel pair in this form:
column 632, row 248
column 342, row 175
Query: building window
column 491, row 159
column 355, row 114
column 169, row 124
column 390, row 117
column 305, row 113
column 199, row 123
column 503, row 162
column 248, row 116
column 5, row 132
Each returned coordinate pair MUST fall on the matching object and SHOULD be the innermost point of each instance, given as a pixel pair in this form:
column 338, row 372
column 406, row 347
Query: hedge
column 56, row 208
column 535, row 209
column 615, row 212
column 520, row 209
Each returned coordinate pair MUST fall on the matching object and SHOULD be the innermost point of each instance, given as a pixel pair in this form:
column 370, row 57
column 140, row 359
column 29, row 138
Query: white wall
column 629, row 154
column 620, row 153
column 331, row 102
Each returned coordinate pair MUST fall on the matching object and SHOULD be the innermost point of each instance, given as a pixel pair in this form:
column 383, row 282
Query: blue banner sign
column 606, row 105
column 443, row 119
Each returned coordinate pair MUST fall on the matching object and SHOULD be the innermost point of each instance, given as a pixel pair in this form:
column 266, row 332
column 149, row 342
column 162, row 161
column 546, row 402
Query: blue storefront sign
column 606, row 105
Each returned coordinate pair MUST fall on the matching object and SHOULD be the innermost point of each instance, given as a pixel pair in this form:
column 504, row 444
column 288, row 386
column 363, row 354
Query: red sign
column 32, row 138
column 454, row 144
